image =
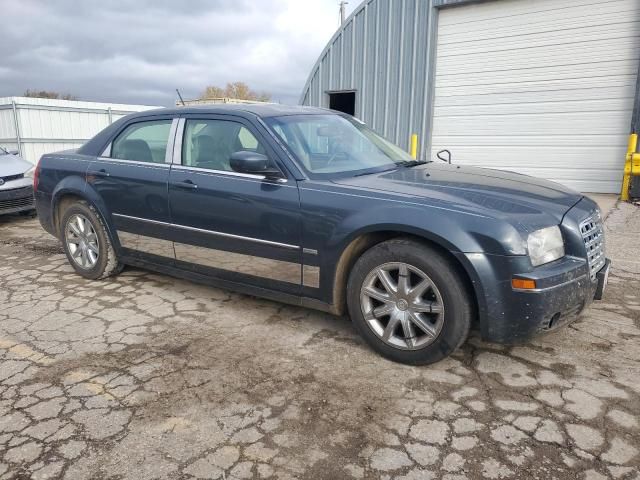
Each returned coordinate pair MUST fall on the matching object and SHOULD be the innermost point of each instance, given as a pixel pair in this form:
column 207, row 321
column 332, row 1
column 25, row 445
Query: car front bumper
column 563, row 290
column 18, row 199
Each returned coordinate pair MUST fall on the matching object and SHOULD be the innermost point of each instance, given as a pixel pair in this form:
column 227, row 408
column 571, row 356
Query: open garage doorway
column 343, row 102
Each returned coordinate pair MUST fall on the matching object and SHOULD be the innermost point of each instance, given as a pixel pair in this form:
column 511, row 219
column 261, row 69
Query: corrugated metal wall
column 36, row 126
column 543, row 88
column 384, row 52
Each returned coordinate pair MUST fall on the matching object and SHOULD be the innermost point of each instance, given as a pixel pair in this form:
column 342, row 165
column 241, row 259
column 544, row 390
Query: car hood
column 13, row 165
column 494, row 192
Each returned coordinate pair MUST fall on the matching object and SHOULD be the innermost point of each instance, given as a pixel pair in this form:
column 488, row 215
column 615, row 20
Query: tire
column 429, row 292
column 99, row 260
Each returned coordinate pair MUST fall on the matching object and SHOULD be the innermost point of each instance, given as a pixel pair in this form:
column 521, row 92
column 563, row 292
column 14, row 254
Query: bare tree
column 212, row 92
column 49, row 94
column 237, row 90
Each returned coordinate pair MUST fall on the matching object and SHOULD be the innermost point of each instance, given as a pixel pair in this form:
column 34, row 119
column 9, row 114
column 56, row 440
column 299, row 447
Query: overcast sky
column 139, row 51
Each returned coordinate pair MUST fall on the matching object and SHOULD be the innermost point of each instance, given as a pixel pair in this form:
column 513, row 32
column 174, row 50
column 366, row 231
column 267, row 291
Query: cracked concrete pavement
column 144, row 376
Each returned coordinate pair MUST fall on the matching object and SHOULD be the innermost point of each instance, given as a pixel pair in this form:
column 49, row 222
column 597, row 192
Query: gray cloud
column 139, row 51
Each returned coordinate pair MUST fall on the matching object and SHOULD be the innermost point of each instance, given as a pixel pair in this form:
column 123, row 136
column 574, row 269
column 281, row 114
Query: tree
column 237, row 90
column 48, row 94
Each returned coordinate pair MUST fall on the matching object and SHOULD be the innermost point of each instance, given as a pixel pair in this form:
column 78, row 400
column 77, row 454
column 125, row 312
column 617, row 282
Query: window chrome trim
column 238, row 175
column 168, row 156
column 177, row 144
column 133, row 162
column 210, row 232
column 219, row 172
column 107, row 151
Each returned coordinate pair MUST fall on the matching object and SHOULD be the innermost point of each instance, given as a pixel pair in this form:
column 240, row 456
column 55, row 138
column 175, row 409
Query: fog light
column 522, row 284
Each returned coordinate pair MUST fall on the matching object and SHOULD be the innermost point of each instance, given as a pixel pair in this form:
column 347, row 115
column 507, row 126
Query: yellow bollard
column 628, row 166
column 414, row 146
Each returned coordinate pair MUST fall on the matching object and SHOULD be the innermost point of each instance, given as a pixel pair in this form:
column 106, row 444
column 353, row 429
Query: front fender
column 452, row 230
column 335, row 218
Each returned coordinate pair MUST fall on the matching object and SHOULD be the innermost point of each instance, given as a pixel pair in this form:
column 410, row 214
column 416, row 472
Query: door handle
column 99, row 173
column 187, row 185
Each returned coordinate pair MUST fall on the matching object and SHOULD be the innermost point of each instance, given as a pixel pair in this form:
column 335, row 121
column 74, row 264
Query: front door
column 233, row 226
column 131, row 178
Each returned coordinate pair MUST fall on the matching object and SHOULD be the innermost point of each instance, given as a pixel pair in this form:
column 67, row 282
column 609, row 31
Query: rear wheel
column 409, row 302
column 86, row 242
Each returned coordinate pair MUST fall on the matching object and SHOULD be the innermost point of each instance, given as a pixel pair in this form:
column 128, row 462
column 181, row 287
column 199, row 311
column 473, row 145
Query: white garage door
column 542, row 87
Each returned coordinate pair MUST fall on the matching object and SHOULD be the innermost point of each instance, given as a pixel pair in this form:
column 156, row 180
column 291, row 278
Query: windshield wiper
column 412, row 163
column 372, row 172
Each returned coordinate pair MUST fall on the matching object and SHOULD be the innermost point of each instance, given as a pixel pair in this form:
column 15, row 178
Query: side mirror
column 253, row 163
column 13, row 152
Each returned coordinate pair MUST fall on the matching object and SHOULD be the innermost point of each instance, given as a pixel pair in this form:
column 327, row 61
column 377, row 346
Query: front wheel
column 409, row 302
column 86, row 242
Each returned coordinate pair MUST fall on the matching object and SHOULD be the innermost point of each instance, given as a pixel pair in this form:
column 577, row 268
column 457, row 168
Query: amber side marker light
column 522, row 284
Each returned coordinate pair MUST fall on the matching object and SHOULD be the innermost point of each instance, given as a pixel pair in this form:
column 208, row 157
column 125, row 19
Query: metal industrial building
column 35, row 126
column 542, row 87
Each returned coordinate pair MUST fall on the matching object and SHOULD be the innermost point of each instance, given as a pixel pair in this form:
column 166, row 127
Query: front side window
column 210, row 143
column 332, row 145
column 143, row 142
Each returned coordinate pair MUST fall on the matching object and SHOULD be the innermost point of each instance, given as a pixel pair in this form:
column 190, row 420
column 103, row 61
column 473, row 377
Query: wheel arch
column 66, row 195
column 363, row 241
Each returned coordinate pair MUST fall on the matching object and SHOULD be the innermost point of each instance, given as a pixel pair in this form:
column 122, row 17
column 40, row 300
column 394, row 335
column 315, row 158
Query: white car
column 16, row 183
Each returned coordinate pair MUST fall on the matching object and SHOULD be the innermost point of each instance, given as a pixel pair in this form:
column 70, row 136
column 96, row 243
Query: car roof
column 262, row 110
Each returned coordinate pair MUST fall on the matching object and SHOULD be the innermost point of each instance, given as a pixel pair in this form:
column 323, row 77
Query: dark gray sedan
column 311, row 207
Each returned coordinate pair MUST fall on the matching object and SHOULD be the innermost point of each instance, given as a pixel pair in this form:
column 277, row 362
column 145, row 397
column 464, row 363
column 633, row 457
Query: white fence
column 35, row 126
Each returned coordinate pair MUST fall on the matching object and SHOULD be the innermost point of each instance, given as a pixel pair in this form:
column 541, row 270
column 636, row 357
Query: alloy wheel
column 402, row 306
column 82, row 241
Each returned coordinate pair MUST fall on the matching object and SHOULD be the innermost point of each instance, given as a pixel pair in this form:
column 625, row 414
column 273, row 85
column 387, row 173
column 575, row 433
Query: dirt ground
column 144, row 376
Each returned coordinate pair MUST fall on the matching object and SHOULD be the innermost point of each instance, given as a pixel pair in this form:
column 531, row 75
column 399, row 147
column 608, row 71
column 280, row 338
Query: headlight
column 545, row 245
column 29, row 173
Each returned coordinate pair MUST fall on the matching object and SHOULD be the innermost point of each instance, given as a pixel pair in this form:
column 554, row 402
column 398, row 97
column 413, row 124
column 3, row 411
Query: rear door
column 131, row 177
column 237, row 227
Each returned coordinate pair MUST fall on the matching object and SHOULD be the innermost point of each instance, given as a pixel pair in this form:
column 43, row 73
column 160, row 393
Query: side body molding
column 257, row 266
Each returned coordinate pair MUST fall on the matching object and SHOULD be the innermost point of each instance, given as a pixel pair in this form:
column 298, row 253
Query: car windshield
column 329, row 145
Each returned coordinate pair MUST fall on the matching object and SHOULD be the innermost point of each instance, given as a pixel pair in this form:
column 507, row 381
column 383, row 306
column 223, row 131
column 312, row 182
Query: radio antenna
column 180, row 97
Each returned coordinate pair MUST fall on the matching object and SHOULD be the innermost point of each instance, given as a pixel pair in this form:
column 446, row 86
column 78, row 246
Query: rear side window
column 210, row 143
column 143, row 142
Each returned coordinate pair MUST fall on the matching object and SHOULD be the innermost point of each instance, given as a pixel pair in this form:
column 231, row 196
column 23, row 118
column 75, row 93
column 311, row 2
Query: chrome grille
column 13, row 177
column 592, row 232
